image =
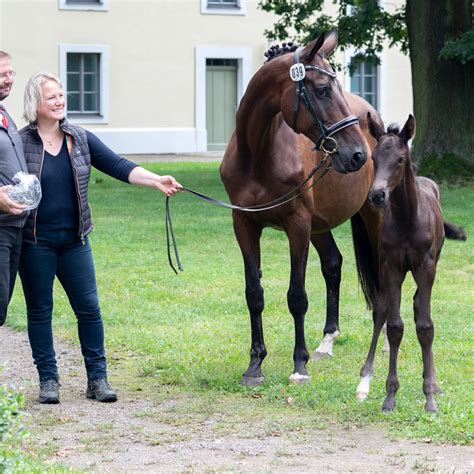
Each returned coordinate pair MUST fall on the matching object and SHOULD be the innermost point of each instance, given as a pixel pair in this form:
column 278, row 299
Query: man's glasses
column 10, row 74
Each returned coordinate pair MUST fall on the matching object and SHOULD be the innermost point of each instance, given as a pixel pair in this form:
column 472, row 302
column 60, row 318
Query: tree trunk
column 443, row 89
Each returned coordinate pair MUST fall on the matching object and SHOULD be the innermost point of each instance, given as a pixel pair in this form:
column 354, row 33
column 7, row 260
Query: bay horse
column 411, row 240
column 269, row 155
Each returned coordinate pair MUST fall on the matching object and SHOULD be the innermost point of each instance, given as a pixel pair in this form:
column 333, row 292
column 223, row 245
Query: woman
column 55, row 242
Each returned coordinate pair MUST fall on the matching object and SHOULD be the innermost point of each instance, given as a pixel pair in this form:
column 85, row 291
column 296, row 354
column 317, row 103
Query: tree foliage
column 460, row 49
column 362, row 24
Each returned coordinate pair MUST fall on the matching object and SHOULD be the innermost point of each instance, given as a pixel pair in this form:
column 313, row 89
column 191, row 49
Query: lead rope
column 258, row 208
column 169, row 230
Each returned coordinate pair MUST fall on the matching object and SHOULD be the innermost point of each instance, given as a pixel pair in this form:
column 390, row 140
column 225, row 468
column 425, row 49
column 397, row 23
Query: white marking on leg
column 298, row 378
column 364, row 387
column 325, row 348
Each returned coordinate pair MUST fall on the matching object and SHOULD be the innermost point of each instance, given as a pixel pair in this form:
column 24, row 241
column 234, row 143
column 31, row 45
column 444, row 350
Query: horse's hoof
column 252, row 381
column 325, row 348
column 363, row 388
column 430, row 406
column 361, row 396
column 318, row 355
column 298, row 378
column 388, row 406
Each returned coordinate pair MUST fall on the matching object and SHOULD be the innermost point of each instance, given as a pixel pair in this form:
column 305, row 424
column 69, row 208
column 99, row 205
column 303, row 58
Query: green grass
column 191, row 332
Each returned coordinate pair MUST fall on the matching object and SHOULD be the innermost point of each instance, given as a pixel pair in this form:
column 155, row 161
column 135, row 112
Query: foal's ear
column 325, row 44
column 408, row 130
column 374, row 127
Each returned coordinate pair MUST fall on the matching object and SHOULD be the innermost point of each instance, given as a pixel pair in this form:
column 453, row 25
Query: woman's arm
column 107, row 161
column 166, row 184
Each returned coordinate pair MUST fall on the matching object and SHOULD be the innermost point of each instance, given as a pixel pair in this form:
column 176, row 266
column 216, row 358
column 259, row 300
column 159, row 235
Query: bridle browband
column 301, row 91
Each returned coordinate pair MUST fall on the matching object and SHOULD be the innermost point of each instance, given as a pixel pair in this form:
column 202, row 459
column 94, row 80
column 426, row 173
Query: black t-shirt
column 58, row 208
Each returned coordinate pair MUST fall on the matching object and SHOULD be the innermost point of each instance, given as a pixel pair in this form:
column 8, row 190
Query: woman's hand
column 166, row 184
column 7, row 205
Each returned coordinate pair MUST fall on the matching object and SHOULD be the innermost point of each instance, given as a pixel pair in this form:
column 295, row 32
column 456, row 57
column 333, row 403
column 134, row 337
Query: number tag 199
column 297, row 72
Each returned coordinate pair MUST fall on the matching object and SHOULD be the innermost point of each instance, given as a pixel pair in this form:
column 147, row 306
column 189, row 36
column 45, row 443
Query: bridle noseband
column 301, row 91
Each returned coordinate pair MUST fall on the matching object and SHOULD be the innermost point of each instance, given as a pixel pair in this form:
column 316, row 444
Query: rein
column 293, row 194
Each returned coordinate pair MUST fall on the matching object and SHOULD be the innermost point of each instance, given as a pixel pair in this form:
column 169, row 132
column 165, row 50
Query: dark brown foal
column 411, row 239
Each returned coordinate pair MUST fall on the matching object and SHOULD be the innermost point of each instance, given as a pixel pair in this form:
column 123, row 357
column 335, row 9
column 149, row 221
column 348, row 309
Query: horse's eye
column 401, row 159
column 322, row 92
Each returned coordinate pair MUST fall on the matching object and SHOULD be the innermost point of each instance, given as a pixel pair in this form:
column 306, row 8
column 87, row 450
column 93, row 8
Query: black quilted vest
column 78, row 148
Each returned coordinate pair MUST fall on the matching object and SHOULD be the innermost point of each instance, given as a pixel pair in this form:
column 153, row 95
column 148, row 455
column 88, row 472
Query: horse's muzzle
column 378, row 197
column 349, row 162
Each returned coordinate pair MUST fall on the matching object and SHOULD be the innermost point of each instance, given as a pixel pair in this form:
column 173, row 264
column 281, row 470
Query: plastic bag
column 27, row 191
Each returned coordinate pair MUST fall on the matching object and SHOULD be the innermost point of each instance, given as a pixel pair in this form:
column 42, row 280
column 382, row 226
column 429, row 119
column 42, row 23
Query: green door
column 221, row 101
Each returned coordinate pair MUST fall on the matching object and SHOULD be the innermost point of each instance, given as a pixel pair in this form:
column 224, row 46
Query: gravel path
column 137, row 434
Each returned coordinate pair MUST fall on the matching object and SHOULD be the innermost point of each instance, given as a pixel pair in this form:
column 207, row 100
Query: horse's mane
column 276, row 51
column 393, row 128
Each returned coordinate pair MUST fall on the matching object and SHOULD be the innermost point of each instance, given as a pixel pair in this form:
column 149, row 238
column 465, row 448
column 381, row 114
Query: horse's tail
column 366, row 262
column 454, row 232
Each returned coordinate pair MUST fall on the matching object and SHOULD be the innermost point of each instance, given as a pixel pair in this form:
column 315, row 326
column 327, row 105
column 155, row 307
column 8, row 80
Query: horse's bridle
column 326, row 132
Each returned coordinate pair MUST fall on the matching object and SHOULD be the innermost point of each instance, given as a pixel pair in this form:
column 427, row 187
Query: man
column 12, row 215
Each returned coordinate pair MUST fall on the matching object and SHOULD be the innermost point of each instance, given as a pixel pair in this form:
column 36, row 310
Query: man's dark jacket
column 12, row 160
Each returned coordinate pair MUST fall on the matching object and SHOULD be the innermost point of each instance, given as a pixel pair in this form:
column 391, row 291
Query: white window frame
column 103, row 6
column 244, row 74
column 104, row 105
column 240, row 10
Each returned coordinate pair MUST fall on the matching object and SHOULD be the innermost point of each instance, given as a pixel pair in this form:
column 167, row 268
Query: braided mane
column 276, row 51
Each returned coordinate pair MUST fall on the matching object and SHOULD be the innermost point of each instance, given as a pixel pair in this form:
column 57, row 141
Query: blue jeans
column 62, row 254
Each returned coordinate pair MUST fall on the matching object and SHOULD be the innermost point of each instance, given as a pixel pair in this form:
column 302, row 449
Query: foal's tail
column 454, row 232
column 366, row 261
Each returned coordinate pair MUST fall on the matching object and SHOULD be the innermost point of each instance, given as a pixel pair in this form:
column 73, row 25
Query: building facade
column 162, row 76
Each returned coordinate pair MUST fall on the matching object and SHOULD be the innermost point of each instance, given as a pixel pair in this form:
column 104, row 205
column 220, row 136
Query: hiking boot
column 101, row 390
column 49, row 391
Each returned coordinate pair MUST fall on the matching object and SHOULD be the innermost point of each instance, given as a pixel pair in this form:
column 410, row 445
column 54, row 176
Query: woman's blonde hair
column 33, row 97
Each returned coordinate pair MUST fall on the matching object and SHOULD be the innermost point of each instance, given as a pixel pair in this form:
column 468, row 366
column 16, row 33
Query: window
column 222, row 4
column 230, row 63
column 96, row 5
column 351, row 10
column 84, row 2
column 364, row 82
column 223, row 7
column 83, row 79
column 84, row 73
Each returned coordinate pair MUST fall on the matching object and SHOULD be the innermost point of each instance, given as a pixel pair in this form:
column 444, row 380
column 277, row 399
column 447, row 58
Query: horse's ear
column 374, row 127
column 325, row 44
column 330, row 43
column 409, row 129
